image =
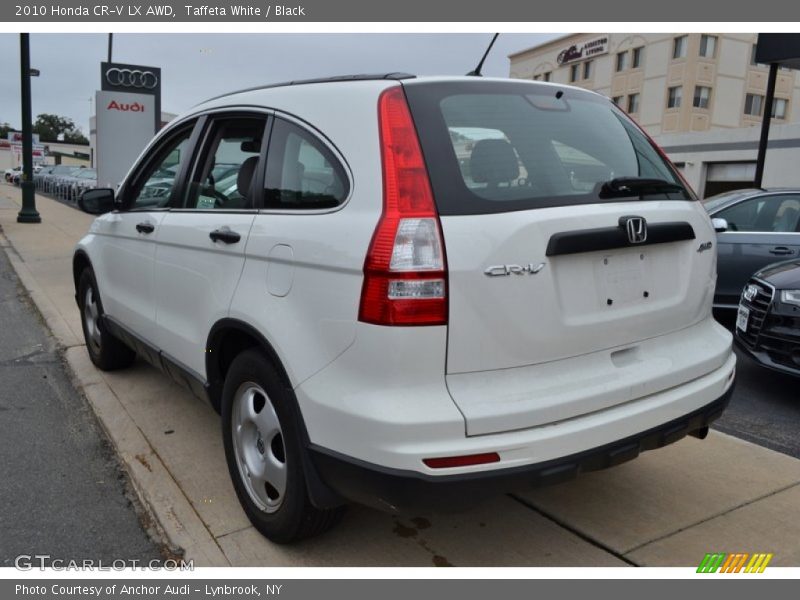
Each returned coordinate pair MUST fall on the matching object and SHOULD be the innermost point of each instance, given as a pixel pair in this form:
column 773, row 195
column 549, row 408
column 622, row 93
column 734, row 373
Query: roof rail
column 359, row 77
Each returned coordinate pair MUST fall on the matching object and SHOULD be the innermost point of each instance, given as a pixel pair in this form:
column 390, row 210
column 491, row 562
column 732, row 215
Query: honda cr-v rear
column 425, row 290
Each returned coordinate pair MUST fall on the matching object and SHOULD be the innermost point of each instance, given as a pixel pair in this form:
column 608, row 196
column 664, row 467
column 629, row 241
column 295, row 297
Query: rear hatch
column 566, row 232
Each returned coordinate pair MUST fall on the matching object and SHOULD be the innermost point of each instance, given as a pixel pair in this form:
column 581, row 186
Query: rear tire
column 263, row 448
column 106, row 352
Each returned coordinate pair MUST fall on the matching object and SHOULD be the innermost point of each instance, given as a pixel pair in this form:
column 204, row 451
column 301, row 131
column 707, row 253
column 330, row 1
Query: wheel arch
column 80, row 262
column 229, row 337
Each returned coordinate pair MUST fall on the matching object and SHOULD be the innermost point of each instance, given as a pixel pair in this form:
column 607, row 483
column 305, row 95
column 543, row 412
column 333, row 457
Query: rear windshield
column 503, row 146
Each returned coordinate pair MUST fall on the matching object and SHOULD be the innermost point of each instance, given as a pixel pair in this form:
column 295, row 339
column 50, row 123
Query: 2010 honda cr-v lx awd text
column 408, row 291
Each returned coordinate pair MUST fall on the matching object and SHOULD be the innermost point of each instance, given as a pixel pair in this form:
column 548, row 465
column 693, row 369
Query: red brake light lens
column 405, row 271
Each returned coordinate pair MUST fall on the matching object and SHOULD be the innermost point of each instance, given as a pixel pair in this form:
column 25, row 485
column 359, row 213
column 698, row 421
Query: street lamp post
column 28, row 212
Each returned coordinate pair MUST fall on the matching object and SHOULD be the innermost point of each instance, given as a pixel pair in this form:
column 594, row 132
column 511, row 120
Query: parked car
column 755, row 227
column 61, row 183
column 9, row 173
column 375, row 324
column 52, row 180
column 768, row 318
column 84, row 179
column 39, row 177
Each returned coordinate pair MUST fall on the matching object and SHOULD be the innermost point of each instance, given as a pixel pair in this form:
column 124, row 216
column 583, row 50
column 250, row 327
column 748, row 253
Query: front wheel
column 263, row 449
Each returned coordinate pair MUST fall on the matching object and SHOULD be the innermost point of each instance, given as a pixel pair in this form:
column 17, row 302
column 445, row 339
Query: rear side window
column 302, row 173
column 496, row 147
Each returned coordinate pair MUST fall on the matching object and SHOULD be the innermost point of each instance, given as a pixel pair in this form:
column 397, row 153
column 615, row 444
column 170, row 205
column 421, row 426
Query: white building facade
column 700, row 95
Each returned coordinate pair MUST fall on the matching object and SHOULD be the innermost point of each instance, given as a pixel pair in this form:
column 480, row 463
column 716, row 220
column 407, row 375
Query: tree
column 52, row 127
column 4, row 129
column 75, row 137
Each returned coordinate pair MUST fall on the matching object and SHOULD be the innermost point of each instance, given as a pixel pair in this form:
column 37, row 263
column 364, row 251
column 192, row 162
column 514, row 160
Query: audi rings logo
column 131, row 78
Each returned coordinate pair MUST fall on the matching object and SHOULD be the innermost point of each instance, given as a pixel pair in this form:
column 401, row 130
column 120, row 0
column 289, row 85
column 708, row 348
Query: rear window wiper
column 636, row 186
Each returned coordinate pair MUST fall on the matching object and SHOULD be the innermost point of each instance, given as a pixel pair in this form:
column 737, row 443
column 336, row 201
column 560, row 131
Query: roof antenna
column 477, row 71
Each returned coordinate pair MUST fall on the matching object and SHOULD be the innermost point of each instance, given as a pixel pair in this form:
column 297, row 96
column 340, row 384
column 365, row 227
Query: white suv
column 402, row 291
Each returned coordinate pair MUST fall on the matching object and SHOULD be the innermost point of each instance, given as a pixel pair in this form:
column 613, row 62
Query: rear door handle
column 224, row 235
column 145, row 227
column 781, row 251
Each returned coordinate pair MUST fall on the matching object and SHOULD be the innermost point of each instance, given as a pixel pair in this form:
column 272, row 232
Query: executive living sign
column 588, row 49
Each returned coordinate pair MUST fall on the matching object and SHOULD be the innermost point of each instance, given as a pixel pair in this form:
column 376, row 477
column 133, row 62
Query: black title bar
column 443, row 11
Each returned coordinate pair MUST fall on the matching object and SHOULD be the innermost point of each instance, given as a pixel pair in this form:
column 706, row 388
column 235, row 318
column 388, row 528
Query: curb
column 173, row 516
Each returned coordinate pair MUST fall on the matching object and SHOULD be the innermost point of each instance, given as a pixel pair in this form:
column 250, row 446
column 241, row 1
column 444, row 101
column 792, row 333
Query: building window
column 679, row 46
column 702, row 96
column 617, row 100
column 708, row 46
column 753, row 56
column 636, row 57
column 674, row 97
column 587, row 69
column 573, row 72
column 633, row 103
column 622, row 61
column 779, row 108
column 753, row 104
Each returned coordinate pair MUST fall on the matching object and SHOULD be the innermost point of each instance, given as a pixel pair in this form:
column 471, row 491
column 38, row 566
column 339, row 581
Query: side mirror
column 97, row 202
column 720, row 225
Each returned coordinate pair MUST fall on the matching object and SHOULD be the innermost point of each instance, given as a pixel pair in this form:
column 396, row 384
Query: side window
column 778, row 214
column 224, row 176
column 153, row 186
column 787, row 217
column 745, row 215
column 302, row 173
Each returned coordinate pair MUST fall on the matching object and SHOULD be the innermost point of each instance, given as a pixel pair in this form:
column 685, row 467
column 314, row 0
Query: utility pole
column 765, row 121
column 28, row 212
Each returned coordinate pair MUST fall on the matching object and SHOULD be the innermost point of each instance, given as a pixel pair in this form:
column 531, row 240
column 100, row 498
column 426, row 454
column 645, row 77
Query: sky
column 197, row 66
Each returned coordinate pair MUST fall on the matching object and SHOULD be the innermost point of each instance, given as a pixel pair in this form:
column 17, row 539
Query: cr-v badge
column 503, row 270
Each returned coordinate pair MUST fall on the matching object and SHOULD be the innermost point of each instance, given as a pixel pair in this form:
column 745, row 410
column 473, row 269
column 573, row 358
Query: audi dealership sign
column 131, row 78
column 137, row 79
column 128, row 115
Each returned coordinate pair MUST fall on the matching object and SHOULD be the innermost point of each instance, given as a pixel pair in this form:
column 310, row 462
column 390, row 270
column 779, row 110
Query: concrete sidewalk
column 667, row 508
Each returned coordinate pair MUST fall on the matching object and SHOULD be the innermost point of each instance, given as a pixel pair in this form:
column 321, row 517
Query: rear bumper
column 366, row 406
column 402, row 491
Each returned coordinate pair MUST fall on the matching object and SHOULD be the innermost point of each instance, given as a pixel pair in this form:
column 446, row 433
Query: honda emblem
column 636, row 228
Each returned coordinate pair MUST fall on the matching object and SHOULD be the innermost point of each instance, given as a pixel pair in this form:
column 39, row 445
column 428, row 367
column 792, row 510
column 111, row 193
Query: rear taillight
column 405, row 272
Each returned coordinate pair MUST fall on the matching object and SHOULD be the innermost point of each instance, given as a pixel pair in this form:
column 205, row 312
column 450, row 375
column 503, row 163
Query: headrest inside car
column 493, row 161
column 251, row 146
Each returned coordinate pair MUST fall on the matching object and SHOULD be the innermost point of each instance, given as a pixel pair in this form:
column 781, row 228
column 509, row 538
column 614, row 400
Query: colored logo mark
column 741, row 562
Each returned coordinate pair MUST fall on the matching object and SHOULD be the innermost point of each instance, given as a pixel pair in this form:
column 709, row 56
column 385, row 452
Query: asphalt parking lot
column 764, row 409
column 667, row 508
